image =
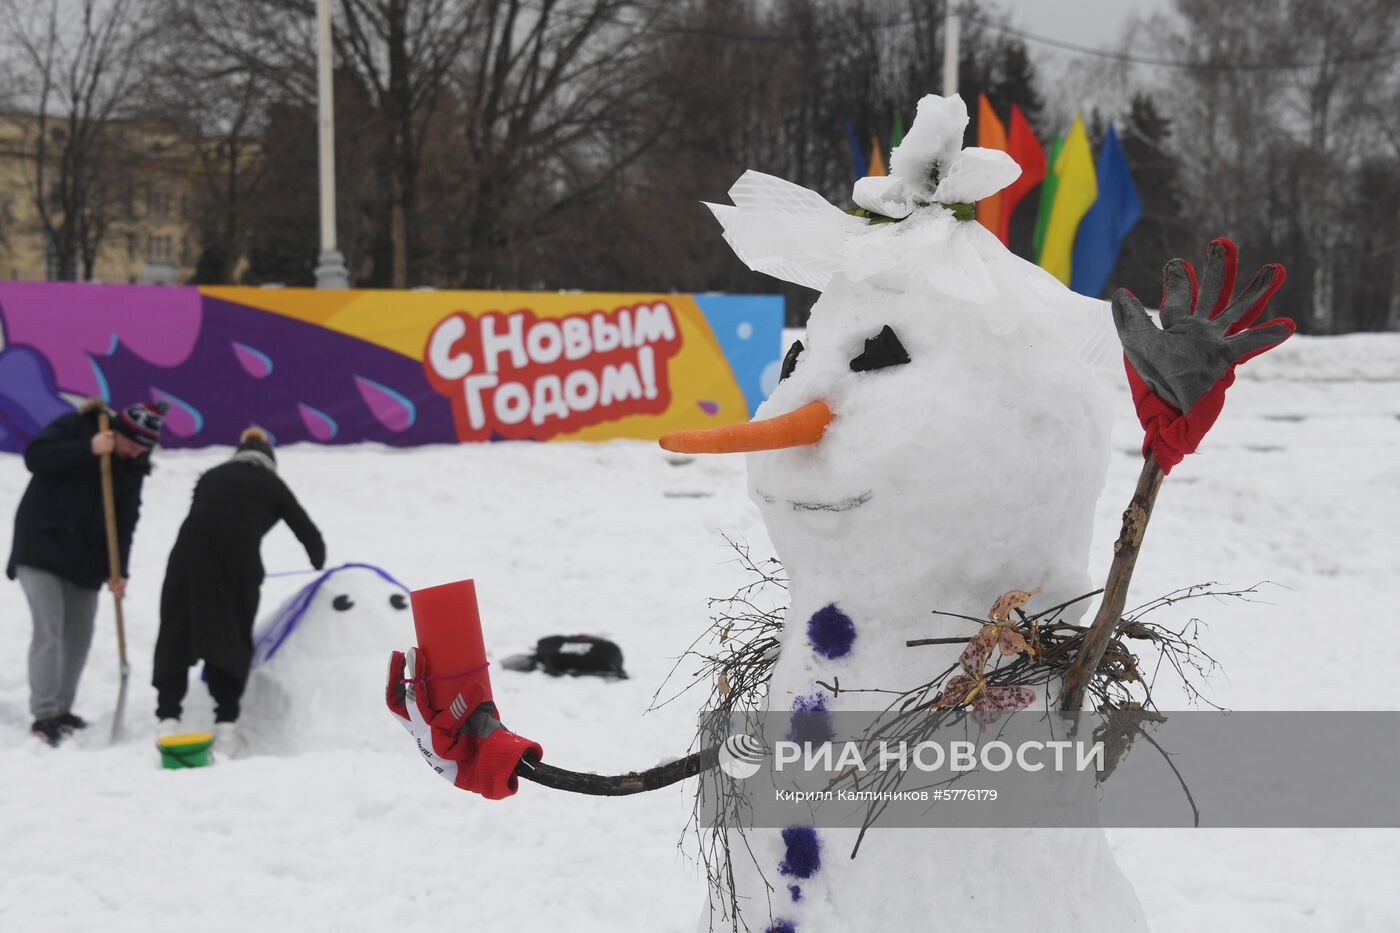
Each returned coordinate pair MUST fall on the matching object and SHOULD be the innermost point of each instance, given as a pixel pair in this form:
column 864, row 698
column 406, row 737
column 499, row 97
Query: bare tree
column 404, row 52
column 400, row 52
column 1346, row 39
column 218, row 108
column 1386, row 112
column 1274, row 122
column 78, row 65
column 554, row 104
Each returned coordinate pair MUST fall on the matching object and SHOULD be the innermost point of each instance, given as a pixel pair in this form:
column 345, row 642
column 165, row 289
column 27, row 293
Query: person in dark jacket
column 212, row 582
column 59, row 553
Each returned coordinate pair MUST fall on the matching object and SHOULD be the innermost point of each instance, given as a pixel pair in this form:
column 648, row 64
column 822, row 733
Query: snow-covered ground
column 1299, row 485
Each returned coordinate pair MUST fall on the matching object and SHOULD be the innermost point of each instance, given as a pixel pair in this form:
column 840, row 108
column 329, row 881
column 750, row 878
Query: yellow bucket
column 188, row 750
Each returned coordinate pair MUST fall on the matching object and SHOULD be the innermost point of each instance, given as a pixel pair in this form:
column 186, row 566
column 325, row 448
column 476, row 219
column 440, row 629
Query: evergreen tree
column 1162, row 231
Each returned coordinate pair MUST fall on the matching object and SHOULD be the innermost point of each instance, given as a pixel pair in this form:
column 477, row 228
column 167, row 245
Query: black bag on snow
column 579, row 654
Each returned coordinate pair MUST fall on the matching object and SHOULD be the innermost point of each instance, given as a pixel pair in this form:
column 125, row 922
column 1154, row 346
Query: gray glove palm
column 1197, row 346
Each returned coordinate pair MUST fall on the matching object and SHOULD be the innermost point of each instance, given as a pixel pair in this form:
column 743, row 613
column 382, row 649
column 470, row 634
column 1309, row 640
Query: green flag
column 1047, row 197
column 897, row 131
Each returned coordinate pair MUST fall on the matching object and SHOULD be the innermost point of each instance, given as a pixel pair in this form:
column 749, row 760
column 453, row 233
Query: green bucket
column 189, row 750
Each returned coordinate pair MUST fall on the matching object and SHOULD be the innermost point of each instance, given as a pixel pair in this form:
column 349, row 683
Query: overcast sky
column 1072, row 81
column 1097, row 23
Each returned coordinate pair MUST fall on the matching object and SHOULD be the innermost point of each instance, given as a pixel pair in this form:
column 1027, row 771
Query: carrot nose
column 805, row 425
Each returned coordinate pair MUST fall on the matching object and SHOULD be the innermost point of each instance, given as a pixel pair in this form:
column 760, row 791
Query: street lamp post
column 330, row 265
column 951, row 28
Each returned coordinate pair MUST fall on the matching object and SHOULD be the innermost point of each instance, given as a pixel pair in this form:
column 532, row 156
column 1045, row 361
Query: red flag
column 1025, row 149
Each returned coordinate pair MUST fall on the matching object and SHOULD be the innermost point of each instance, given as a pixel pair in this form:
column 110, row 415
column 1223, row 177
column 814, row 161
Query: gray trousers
column 63, row 615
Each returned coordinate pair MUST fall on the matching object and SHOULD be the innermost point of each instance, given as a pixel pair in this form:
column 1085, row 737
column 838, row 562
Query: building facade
column 135, row 222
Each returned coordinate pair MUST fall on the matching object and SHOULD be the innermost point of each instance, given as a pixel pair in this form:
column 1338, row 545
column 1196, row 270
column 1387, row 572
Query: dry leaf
column 979, row 648
column 988, row 703
column 956, row 691
column 1010, row 641
column 1011, row 599
column 723, row 685
column 995, row 701
column 1009, row 698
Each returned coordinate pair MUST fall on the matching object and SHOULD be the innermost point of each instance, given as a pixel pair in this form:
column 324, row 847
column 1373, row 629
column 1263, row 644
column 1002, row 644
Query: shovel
column 114, row 567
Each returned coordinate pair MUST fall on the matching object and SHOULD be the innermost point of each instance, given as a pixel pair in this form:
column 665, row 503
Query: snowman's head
column 941, row 432
column 950, row 454
column 353, row 610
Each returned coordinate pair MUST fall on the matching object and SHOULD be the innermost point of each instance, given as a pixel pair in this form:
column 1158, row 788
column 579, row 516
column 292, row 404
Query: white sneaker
column 226, row 742
column 168, row 727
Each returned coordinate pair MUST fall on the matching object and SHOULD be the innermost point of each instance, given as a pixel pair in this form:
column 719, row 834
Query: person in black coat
column 59, row 552
column 212, row 582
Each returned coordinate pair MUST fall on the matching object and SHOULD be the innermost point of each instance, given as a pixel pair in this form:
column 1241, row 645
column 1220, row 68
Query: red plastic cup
column 448, row 624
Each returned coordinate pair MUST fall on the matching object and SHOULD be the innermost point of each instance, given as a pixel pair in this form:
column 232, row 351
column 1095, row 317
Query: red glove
column 1167, row 433
column 465, row 743
column 1178, row 373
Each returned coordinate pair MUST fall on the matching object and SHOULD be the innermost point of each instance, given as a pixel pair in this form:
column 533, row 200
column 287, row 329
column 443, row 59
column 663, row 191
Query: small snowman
column 331, row 632
column 940, row 436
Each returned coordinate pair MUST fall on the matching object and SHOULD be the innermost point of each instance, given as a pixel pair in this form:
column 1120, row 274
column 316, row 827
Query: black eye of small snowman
column 884, row 349
column 342, row 603
column 398, row 601
column 790, row 361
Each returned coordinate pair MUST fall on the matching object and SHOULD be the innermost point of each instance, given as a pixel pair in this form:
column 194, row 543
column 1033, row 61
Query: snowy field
column 1299, row 485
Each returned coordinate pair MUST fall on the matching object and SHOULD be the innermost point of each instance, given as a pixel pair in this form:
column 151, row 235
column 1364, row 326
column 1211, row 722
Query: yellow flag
column 1075, row 191
column 877, row 159
column 991, row 134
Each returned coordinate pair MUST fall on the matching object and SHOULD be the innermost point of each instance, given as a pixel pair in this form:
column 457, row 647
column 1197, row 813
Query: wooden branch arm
column 1115, row 595
column 618, row 785
column 1115, row 590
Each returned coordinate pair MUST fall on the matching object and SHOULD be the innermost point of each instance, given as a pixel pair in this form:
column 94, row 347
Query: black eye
column 884, row 349
column 790, row 361
column 398, row 601
column 342, row 603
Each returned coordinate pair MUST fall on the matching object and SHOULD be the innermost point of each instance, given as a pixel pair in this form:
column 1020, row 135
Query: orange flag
column 877, row 159
column 991, row 134
column 1025, row 149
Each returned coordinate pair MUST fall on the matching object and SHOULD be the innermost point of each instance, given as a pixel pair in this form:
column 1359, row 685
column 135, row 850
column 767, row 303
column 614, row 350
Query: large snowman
column 938, row 438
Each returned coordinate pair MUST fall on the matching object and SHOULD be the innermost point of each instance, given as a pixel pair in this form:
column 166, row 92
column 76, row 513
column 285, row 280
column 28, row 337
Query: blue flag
column 1103, row 228
column 857, row 160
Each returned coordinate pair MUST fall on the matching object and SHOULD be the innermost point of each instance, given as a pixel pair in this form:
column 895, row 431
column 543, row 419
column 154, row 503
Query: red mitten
column 1178, row 373
column 464, row 743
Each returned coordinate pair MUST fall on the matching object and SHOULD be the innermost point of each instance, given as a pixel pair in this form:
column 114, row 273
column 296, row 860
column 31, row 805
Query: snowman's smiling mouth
column 841, row 505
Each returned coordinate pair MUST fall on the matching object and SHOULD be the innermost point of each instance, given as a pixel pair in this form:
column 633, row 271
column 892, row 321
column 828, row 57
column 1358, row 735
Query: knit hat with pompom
column 142, row 422
column 256, row 439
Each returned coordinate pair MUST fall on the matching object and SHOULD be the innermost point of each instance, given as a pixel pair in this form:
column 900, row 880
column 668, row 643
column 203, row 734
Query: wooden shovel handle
column 114, row 558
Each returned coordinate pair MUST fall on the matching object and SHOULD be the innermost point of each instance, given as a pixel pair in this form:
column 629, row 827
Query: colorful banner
column 400, row 368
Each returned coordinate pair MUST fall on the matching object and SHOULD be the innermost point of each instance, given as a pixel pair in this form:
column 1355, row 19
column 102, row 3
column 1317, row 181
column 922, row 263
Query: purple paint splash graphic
column 220, row 365
column 298, row 381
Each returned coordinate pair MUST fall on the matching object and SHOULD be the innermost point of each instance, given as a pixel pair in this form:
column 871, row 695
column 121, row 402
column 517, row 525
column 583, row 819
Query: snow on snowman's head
column 942, row 425
column 350, row 610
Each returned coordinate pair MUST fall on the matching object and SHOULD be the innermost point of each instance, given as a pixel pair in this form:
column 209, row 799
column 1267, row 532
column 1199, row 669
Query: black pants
column 226, row 688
